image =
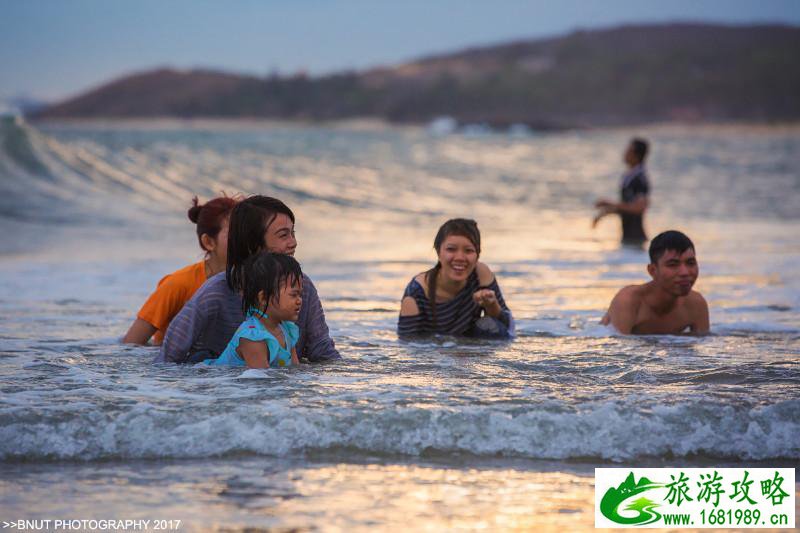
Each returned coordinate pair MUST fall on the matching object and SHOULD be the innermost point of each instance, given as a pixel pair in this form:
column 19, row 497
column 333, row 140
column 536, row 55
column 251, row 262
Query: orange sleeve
column 173, row 291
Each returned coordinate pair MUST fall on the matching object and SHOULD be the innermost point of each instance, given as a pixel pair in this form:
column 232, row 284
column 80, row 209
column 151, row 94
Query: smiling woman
column 458, row 296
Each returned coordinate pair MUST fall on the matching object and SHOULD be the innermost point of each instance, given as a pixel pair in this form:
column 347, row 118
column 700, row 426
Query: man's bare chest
column 649, row 322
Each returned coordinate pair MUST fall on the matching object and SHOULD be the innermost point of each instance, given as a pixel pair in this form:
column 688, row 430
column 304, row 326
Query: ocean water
column 443, row 434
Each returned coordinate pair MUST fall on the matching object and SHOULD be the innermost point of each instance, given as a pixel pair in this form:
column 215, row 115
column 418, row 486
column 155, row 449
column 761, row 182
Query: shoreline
column 374, row 123
column 461, row 461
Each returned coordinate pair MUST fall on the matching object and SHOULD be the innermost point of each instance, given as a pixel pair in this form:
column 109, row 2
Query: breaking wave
column 610, row 431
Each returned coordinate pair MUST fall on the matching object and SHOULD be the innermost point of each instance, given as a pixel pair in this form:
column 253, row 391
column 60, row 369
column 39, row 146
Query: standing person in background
column 211, row 317
column 175, row 289
column 634, row 192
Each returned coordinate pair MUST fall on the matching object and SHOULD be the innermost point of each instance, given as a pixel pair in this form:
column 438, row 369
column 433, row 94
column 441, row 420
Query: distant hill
column 625, row 75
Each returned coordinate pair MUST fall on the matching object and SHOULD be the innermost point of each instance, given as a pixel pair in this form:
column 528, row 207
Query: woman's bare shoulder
column 485, row 274
column 409, row 307
column 421, row 278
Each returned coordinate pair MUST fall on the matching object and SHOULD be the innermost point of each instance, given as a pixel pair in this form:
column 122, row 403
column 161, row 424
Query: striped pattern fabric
column 454, row 317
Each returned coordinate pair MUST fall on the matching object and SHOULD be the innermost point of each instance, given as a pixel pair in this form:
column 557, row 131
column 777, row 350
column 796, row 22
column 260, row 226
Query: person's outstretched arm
column 602, row 212
column 159, row 309
column 318, row 345
column 139, row 332
column 637, row 206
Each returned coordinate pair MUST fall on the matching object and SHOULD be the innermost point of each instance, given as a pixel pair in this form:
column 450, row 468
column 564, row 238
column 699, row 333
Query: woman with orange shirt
column 175, row 289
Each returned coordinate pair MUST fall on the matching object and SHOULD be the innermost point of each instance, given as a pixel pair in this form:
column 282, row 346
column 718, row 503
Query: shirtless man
column 667, row 305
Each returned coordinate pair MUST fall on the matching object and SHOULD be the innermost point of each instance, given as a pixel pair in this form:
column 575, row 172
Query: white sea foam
column 613, row 431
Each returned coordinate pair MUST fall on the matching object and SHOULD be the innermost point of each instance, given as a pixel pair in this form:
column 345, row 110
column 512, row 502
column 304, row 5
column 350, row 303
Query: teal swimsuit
column 253, row 330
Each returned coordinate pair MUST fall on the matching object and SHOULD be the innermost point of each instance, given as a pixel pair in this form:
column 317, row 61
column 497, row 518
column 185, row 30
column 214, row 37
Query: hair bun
column 194, row 211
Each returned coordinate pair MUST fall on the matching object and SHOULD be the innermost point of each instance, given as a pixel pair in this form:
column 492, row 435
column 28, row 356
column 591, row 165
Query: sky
column 54, row 49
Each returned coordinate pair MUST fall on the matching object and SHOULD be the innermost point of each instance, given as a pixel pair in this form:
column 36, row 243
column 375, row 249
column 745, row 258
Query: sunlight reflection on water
column 411, row 425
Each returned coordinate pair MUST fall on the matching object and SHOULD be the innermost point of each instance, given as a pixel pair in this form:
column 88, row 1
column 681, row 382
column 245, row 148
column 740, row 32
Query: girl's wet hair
column 249, row 222
column 210, row 216
column 267, row 272
column 463, row 227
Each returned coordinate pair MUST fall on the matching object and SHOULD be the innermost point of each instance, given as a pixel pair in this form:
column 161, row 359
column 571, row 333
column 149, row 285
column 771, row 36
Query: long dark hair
column 267, row 272
column 210, row 215
column 463, row 227
column 249, row 222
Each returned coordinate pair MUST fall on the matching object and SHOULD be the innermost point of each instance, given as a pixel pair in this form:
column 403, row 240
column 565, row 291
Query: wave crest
column 611, row 431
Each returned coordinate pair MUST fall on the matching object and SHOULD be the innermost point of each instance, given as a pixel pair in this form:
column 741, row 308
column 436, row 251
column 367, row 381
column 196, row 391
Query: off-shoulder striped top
column 453, row 317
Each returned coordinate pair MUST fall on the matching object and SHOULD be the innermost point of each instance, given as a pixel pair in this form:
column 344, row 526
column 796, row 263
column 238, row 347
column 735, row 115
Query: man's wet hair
column 640, row 148
column 669, row 240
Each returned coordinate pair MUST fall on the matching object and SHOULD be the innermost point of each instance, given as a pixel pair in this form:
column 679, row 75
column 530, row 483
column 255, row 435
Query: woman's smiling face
column 458, row 257
column 279, row 237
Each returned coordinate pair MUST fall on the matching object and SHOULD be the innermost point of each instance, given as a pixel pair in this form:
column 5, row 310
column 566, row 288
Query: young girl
column 271, row 299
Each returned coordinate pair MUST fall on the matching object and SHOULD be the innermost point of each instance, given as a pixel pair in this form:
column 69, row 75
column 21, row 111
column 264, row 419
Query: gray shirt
column 202, row 329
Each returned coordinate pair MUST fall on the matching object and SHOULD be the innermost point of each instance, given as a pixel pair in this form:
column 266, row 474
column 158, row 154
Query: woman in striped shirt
column 458, row 296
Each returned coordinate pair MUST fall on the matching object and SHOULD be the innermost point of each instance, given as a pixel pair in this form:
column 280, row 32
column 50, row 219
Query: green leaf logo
column 615, row 497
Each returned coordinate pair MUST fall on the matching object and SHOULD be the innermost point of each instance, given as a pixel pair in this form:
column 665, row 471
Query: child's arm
column 295, row 360
column 254, row 353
